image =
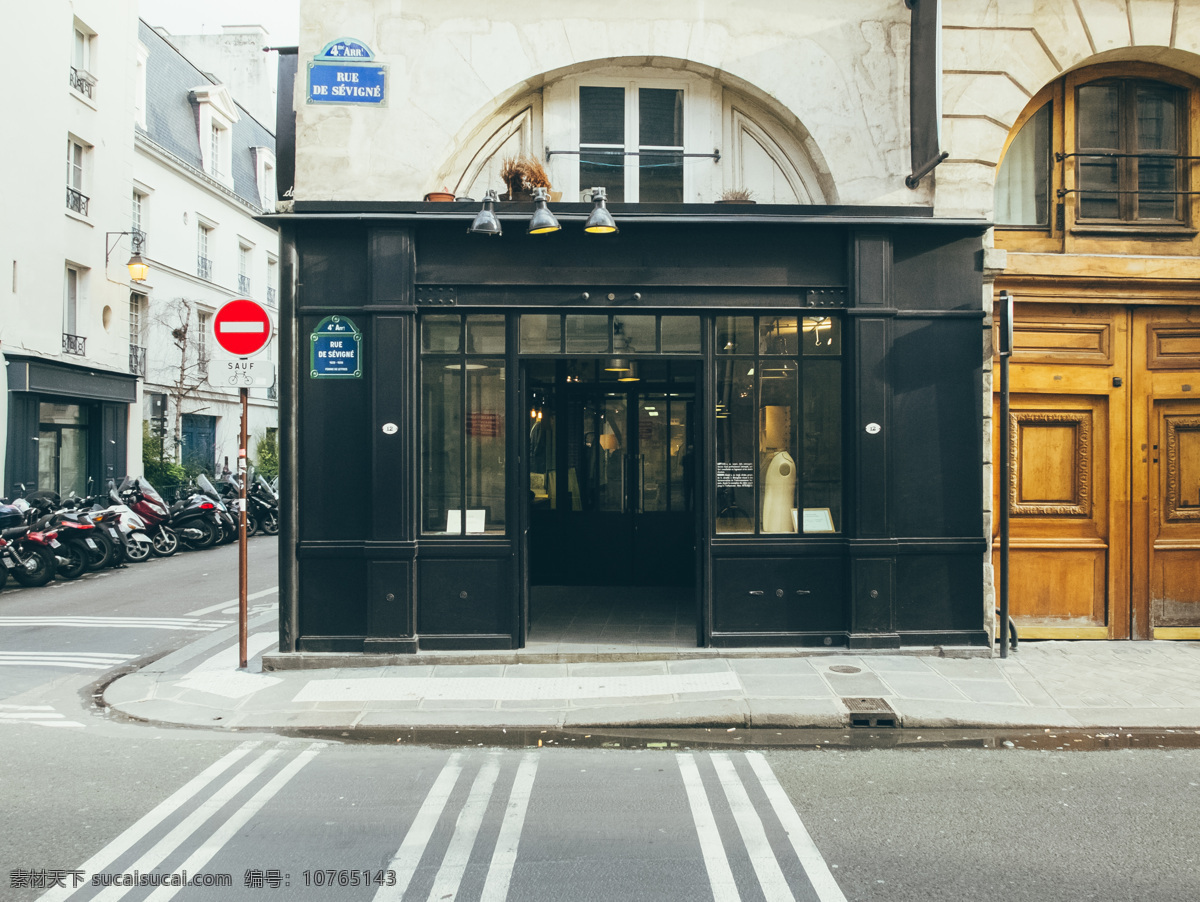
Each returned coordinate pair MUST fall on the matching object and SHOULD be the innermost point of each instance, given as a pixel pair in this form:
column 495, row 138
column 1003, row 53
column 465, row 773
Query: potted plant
column 521, row 174
column 737, row 196
column 444, row 195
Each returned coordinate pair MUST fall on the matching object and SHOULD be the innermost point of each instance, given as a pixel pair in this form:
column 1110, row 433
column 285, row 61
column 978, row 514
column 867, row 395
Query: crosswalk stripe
column 720, row 877
column 149, row 821
column 26, row 707
column 495, row 887
column 466, row 828
column 227, row 830
column 152, row 623
column 811, row 859
column 408, row 856
column 762, row 858
column 190, row 824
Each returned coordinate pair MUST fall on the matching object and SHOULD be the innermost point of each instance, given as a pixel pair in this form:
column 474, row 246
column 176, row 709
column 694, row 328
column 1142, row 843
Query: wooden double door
column 1104, row 487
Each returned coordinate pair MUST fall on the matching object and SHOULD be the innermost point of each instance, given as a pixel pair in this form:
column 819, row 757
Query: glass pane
column 1098, row 183
column 777, row 440
column 1157, row 120
column 660, row 177
column 821, row 335
column 660, row 117
column 485, row 446
column 587, row 334
column 485, row 334
column 602, row 169
column 683, row 454
column 542, row 435
column 602, row 115
column 440, row 334
column 441, row 440
column 1099, row 127
column 1023, row 180
column 736, row 425
column 62, row 414
column 654, row 454
column 735, row 334
column 1158, row 177
column 47, row 480
column 777, row 335
column 72, row 464
column 822, row 485
column 541, row 333
column 634, row 333
column 681, row 334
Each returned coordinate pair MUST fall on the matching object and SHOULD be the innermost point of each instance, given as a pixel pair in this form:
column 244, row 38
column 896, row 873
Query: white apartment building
column 132, row 150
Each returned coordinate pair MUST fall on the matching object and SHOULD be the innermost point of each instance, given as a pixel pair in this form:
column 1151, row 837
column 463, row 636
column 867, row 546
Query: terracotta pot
column 439, row 196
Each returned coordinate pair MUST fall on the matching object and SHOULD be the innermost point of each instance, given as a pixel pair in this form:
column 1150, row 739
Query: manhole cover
column 845, row 668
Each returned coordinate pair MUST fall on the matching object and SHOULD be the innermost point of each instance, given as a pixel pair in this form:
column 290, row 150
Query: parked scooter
column 226, row 524
column 77, row 537
column 144, row 501
column 196, row 520
column 26, row 553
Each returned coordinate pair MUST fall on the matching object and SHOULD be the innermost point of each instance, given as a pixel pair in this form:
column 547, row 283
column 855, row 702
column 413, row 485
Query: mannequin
column 779, row 493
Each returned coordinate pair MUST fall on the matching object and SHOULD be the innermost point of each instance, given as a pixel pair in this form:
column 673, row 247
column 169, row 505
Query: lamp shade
column 138, row 270
column 485, row 222
column 543, row 220
column 600, row 222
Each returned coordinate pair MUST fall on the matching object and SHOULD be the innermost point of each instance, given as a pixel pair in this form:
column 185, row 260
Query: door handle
column 803, row 592
column 756, row 591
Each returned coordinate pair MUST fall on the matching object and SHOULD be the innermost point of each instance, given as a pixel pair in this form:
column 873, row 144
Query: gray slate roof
column 171, row 116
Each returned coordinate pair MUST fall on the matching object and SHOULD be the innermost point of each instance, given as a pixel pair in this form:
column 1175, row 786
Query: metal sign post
column 243, row 328
column 1006, row 348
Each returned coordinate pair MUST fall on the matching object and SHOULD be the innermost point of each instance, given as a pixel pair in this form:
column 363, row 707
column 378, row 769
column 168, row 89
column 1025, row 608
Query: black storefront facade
column 774, row 413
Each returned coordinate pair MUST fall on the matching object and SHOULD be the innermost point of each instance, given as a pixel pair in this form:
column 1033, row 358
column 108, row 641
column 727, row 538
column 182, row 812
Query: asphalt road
column 297, row 818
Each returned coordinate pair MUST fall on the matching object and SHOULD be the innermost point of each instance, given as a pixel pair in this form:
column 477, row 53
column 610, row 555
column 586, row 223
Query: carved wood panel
column 1062, row 342
column 1183, row 467
column 1050, row 462
column 1173, row 346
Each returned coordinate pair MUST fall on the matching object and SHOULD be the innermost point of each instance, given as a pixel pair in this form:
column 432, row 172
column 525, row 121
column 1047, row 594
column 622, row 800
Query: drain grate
column 870, row 712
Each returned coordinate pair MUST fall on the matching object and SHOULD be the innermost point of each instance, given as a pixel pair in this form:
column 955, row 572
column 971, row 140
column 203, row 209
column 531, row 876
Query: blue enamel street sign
column 343, row 72
column 336, row 349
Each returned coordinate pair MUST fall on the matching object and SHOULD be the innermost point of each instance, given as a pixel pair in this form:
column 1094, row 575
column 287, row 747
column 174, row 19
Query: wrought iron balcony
column 204, row 268
column 271, row 293
column 137, row 360
column 77, row 201
column 74, row 344
column 82, row 82
column 243, row 284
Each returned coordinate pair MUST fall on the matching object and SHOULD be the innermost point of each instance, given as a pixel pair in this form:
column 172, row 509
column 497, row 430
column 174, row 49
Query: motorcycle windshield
column 149, row 491
column 266, row 486
column 208, row 489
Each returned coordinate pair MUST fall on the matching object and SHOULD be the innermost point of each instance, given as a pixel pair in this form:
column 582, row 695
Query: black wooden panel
column 392, row 266
column 641, row 254
column 937, row 424
column 789, row 594
column 20, row 459
column 460, row 597
column 937, row 269
column 874, row 590
column 332, row 264
column 390, row 599
column 872, row 270
column 939, row 592
column 393, row 452
column 334, row 437
column 872, row 407
column 333, row 596
column 113, row 440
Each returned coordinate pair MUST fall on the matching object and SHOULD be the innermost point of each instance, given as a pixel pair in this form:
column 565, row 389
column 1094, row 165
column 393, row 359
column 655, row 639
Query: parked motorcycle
column 225, row 522
column 140, row 496
column 196, row 520
column 26, row 553
column 77, row 537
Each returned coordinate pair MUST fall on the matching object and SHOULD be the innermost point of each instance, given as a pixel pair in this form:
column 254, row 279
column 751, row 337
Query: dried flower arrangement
column 522, row 174
column 737, row 196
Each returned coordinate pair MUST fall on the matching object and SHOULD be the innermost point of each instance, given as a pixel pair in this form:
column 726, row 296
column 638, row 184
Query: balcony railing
column 77, row 201
column 137, row 360
column 82, row 82
column 243, row 284
column 74, row 344
column 271, row 294
column 204, row 268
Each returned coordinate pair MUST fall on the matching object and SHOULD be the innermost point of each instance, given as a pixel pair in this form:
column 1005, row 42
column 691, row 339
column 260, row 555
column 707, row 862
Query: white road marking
column 219, row 674
column 770, row 877
column 495, row 887
column 149, row 821
column 811, row 859
column 523, row 689
column 75, row 660
column 224, row 604
column 466, row 828
column 408, row 856
column 245, row 326
column 190, row 824
column 43, row 716
column 132, row 623
column 198, row 859
column 720, row 877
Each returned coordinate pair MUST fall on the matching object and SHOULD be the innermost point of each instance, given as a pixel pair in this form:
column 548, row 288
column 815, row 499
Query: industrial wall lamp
column 599, row 222
column 138, row 270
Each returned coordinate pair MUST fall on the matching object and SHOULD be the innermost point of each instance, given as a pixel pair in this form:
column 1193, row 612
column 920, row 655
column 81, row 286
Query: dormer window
column 264, row 171
column 215, row 114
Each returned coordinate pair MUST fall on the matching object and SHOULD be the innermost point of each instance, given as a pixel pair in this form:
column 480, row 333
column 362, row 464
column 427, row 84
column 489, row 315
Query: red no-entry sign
column 242, row 327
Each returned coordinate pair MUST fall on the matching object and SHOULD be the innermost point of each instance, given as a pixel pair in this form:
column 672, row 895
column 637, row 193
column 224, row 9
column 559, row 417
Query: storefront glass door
column 62, row 448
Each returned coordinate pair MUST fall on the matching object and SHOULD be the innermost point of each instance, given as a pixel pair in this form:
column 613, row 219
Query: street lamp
column 138, row 270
